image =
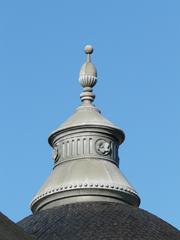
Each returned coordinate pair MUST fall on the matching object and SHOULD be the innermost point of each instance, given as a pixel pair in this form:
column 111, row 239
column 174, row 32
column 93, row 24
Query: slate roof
column 96, row 221
column 10, row 231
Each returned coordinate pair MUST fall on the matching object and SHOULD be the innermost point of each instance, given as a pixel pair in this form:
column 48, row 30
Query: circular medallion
column 103, row 147
column 56, row 154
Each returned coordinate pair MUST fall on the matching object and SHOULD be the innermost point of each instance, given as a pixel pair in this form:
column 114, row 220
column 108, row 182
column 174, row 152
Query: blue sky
column 137, row 54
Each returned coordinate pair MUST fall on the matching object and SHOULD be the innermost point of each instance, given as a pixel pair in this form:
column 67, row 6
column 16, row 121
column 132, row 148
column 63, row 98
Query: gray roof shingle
column 10, row 231
column 96, row 221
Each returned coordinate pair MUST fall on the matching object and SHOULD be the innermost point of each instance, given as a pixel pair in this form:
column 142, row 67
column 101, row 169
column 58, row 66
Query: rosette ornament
column 88, row 77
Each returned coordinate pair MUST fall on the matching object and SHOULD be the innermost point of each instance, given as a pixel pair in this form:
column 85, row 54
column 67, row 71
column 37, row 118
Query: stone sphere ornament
column 88, row 49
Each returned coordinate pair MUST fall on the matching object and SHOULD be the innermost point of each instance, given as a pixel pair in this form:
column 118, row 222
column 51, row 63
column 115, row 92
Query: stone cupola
column 85, row 154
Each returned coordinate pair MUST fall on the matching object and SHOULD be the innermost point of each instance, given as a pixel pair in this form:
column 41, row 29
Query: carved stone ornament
column 56, row 154
column 103, row 147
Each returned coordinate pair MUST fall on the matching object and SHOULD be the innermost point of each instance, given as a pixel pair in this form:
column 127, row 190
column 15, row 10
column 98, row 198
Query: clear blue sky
column 137, row 54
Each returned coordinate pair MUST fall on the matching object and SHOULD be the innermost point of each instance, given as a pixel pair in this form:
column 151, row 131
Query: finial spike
column 88, row 50
column 88, row 77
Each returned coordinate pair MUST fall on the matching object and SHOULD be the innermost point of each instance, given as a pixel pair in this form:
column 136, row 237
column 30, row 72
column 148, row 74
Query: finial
column 88, row 50
column 88, row 77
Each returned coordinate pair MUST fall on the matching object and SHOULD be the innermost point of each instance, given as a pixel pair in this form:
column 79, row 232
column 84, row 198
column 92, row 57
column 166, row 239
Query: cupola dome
column 85, row 154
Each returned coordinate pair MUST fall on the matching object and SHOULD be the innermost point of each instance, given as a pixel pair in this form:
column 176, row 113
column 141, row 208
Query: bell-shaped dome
column 85, row 153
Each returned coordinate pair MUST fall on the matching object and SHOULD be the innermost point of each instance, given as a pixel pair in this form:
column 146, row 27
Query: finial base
column 87, row 95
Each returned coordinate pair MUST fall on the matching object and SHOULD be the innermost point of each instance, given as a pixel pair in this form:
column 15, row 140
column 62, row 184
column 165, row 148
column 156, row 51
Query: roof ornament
column 88, row 77
column 85, row 154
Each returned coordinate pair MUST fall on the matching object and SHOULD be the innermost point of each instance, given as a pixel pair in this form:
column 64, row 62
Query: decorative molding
column 83, row 146
column 87, row 80
column 69, row 187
